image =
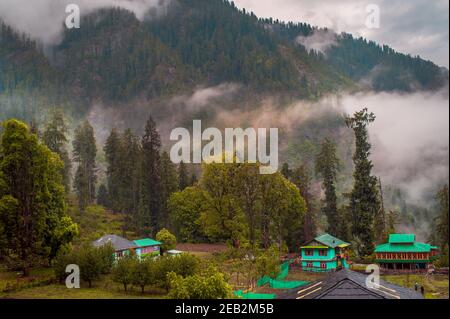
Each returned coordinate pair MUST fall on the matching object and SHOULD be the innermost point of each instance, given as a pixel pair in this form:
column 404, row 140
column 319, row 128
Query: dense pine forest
column 85, row 133
column 116, row 58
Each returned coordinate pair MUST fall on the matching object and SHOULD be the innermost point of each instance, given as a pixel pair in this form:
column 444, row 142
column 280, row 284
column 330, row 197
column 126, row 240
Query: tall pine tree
column 169, row 185
column 183, row 179
column 442, row 225
column 84, row 153
column 55, row 137
column 150, row 201
column 327, row 166
column 112, row 151
column 130, row 177
column 364, row 198
column 302, row 179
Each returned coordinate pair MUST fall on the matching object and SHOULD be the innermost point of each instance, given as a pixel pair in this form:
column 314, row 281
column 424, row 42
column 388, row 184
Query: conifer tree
column 129, row 174
column 302, row 179
column 169, row 185
column 112, row 151
column 183, row 176
column 442, row 226
column 364, row 198
column 150, row 201
column 327, row 166
column 55, row 137
column 84, row 153
column 103, row 196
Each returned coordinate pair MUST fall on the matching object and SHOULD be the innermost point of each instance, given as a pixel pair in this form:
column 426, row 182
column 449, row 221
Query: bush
column 154, row 271
column 168, row 240
column 184, row 265
column 60, row 263
column 210, row 285
column 93, row 262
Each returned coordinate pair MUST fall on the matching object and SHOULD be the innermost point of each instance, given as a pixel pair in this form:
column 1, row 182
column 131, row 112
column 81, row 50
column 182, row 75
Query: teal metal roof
column 402, row 238
column 331, row 241
column 416, row 247
column 146, row 242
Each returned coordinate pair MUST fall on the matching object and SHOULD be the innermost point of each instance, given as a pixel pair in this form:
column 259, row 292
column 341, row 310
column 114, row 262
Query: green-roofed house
column 324, row 253
column 147, row 247
column 403, row 252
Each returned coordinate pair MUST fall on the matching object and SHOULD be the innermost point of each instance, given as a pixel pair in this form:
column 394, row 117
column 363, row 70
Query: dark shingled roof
column 119, row 243
column 348, row 284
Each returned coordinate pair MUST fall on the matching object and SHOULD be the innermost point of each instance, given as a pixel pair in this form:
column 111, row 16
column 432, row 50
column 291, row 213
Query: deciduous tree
column 32, row 199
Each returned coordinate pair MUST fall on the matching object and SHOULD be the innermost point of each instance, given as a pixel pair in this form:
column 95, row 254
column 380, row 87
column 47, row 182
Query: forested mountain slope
column 115, row 57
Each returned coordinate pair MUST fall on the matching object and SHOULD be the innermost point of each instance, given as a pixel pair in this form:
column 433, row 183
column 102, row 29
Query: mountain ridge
column 116, row 58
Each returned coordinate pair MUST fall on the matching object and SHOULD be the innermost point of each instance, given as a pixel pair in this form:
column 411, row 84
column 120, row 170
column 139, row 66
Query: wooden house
column 143, row 248
column 147, row 247
column 403, row 252
column 324, row 253
column 122, row 247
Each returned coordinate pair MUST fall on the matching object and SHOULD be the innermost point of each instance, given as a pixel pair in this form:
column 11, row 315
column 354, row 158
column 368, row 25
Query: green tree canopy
column 168, row 240
column 32, row 198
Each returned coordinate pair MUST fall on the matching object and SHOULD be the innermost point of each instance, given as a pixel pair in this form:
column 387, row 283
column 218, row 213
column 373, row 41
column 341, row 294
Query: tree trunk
column 90, row 283
column 125, row 286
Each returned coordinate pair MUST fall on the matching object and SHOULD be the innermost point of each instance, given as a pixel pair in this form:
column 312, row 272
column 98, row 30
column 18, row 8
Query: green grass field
column 104, row 288
column 436, row 286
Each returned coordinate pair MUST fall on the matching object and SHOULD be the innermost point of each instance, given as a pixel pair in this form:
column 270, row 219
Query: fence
column 250, row 295
column 279, row 282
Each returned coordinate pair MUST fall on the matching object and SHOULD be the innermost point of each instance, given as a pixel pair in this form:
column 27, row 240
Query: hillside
column 116, row 58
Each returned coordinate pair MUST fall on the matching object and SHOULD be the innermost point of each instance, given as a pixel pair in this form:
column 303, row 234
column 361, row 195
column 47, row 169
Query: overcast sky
column 418, row 27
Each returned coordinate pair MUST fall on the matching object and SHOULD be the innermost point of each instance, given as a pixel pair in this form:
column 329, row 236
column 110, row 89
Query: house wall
column 316, row 266
column 330, row 254
column 144, row 252
column 120, row 254
column 317, row 260
column 345, row 263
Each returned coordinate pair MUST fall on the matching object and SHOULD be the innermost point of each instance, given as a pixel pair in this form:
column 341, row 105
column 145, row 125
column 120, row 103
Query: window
column 323, row 252
column 309, row 252
column 323, row 266
column 309, row 265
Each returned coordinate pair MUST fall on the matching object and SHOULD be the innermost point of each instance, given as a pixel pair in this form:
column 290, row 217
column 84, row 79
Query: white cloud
column 410, row 138
column 44, row 19
column 418, row 27
column 320, row 40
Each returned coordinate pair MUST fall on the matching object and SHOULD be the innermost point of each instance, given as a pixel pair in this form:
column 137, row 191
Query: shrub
column 93, row 262
column 209, row 285
column 168, row 240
